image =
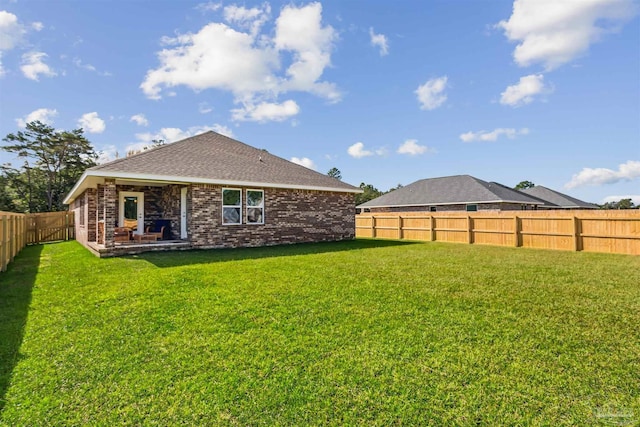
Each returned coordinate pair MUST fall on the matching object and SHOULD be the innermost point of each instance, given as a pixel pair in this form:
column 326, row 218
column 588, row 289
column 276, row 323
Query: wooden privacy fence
column 611, row 231
column 50, row 227
column 18, row 230
column 12, row 236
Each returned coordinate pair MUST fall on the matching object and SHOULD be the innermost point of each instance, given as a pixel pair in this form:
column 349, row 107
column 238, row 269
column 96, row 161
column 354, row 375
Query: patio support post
column 110, row 214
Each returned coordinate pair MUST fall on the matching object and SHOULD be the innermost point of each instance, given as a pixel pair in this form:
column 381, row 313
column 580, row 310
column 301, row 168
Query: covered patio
column 122, row 216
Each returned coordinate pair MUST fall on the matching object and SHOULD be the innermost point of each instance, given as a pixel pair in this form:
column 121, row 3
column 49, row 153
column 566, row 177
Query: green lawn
column 362, row 332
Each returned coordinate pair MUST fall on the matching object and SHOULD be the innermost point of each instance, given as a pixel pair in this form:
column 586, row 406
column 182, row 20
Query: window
column 472, row 208
column 83, row 201
column 255, row 207
column 432, row 208
column 231, row 206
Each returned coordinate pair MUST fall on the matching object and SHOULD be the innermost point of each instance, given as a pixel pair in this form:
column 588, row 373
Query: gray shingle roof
column 212, row 156
column 449, row 190
column 556, row 199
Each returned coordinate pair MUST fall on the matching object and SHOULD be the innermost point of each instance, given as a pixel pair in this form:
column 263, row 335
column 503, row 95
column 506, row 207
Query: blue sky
column 387, row 92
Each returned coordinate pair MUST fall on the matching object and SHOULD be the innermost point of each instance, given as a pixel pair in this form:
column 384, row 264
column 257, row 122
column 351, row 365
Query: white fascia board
column 192, row 180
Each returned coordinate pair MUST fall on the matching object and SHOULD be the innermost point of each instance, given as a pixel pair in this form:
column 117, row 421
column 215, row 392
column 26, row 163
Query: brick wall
column 110, row 210
column 291, row 216
column 91, row 219
column 80, row 229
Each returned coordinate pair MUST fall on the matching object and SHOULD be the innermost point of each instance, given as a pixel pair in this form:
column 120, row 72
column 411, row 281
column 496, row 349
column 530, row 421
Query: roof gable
column 449, row 190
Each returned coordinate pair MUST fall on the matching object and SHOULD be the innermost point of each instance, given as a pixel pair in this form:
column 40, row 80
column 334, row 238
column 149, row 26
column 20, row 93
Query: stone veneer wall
column 291, row 216
column 456, row 208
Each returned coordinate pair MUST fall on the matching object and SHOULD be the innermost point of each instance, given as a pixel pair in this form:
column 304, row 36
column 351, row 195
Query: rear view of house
column 207, row 191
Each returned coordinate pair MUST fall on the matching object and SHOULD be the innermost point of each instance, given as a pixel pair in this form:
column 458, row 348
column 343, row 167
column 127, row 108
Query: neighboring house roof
column 555, row 199
column 211, row 158
column 450, row 190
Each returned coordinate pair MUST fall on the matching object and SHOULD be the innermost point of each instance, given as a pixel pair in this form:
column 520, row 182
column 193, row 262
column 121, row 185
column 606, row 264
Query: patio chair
column 121, row 234
column 158, row 234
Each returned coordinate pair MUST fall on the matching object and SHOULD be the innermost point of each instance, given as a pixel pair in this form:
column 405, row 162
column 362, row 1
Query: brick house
column 207, row 191
column 452, row 193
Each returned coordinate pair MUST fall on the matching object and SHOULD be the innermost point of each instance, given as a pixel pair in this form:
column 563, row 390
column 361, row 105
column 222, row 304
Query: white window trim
column 248, row 207
column 231, row 206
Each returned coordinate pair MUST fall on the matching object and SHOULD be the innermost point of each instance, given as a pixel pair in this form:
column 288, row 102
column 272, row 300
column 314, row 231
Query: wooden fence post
column 516, row 230
column 11, row 238
column 3, row 243
column 373, row 226
column 576, row 234
column 469, row 229
column 399, row 227
column 432, row 228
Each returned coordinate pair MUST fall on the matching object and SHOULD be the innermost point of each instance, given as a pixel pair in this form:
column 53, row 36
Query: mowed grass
column 352, row 333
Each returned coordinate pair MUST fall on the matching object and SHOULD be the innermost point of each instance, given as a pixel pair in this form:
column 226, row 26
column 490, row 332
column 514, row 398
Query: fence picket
column 18, row 230
column 591, row 231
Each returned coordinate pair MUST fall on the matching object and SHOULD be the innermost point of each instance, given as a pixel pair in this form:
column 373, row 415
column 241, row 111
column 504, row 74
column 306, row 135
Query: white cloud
column 626, row 172
column 91, row 123
column 78, row 63
column 11, row 31
column 33, row 65
column 635, row 198
column 485, row 136
column 249, row 63
column 266, row 111
column 107, row 154
column 251, row 19
column 357, row 150
column 37, row 26
column 598, row 176
column 204, row 108
column 140, row 119
column 304, row 161
column 553, row 33
column 222, row 130
column 523, row 92
column 380, row 41
column 208, row 7
column 44, row 115
column 431, row 94
column 411, row 147
column 215, row 57
column 382, row 151
column 300, row 31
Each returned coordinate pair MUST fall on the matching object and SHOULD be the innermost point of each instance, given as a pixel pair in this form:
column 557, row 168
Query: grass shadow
column 16, row 285
column 199, row 256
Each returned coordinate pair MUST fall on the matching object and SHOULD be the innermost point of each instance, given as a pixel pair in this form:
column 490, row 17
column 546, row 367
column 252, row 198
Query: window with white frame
column 255, row 207
column 231, row 206
column 83, row 202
